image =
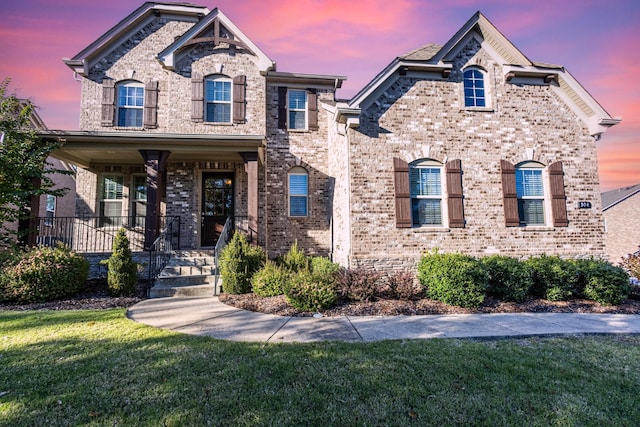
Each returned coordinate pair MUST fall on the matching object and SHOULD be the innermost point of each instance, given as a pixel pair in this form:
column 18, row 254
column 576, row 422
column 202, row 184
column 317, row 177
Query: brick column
column 251, row 167
column 154, row 163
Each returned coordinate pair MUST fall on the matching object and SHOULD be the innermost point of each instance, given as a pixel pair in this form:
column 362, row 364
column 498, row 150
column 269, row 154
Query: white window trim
column 297, row 171
column 219, row 78
column 122, row 200
column 546, row 191
column 305, row 110
column 444, row 210
column 487, row 92
column 129, row 83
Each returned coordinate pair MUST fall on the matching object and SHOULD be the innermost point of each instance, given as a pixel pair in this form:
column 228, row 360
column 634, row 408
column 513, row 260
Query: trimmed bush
column 295, row 260
column 45, row 274
column 239, row 261
column 270, row 281
column 509, row 278
column 358, row 284
column 323, row 269
column 306, row 293
column 605, row 283
column 554, row 279
column 454, row 279
column 122, row 274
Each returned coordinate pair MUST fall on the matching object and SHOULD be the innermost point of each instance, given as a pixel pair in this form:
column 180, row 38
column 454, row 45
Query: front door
column 217, row 205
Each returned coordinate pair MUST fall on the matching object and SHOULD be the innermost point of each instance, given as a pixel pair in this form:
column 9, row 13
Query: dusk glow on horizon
column 596, row 41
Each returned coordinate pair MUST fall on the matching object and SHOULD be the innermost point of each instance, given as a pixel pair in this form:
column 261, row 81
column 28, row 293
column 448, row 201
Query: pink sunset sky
column 597, row 41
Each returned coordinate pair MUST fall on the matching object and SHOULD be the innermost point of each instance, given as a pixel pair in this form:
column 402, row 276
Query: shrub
column 632, row 264
column 46, row 274
column 358, row 284
column 553, row 278
column 454, row 279
column 122, row 273
column 239, row 261
column 295, row 260
column 605, row 283
column 509, row 278
column 306, row 293
column 323, row 269
column 270, row 281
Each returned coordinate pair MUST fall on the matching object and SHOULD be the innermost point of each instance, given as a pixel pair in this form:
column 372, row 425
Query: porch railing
column 225, row 235
column 162, row 248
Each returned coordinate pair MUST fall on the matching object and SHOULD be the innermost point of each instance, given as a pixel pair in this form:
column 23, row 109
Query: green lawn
column 99, row 368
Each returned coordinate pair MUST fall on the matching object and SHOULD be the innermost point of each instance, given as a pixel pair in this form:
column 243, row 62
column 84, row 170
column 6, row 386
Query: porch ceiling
column 86, row 147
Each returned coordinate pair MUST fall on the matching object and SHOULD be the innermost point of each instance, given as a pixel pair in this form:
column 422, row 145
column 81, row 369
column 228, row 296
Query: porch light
column 227, row 181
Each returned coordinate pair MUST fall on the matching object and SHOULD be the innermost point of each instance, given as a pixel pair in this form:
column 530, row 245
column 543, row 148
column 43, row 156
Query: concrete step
column 182, row 291
column 187, row 270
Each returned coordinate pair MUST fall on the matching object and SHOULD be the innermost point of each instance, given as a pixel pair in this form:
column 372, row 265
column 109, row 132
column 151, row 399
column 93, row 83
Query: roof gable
column 215, row 28
column 613, row 197
column 81, row 63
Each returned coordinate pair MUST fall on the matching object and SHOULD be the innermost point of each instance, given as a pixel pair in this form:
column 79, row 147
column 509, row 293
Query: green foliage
column 358, row 284
column 309, row 293
column 454, row 279
column 509, row 279
column 295, row 260
column 632, row 264
column 603, row 282
column 554, row 279
column 23, row 170
column 239, row 261
column 122, row 274
column 270, row 280
column 323, row 269
column 44, row 274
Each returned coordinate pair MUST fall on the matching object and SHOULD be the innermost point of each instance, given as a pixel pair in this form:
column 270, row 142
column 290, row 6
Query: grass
column 68, row 368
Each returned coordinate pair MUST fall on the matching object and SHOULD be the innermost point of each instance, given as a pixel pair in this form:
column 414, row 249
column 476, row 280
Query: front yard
column 96, row 367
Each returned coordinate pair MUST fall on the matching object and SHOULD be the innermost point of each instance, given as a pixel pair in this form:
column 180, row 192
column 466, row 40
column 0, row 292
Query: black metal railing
column 161, row 249
column 224, row 238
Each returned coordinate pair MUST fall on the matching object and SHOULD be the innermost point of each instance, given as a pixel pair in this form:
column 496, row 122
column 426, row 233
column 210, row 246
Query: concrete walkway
column 208, row 316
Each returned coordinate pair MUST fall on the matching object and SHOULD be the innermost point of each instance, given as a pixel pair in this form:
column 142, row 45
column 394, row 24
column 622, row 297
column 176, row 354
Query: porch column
column 154, row 163
column 251, row 167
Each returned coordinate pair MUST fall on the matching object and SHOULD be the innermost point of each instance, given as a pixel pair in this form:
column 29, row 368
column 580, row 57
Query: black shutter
column 282, row 107
column 312, row 107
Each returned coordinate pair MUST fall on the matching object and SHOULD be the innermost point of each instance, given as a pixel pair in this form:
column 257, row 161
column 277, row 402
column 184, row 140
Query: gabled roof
column 233, row 36
column 433, row 58
column 613, row 197
column 81, row 63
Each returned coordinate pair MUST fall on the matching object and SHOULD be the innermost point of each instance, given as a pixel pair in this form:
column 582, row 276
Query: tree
column 24, row 173
column 122, row 274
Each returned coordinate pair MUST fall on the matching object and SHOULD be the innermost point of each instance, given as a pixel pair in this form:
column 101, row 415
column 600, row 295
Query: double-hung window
column 298, row 192
column 111, row 200
column 50, row 210
column 218, row 100
column 474, row 88
column 139, row 200
column 297, row 109
column 530, row 193
column 130, row 104
column 425, row 183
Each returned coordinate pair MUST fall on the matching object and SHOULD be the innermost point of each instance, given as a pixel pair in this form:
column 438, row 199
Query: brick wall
column 622, row 235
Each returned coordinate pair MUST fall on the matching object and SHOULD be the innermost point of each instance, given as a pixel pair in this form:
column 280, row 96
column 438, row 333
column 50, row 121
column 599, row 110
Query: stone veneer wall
column 622, row 234
column 416, row 118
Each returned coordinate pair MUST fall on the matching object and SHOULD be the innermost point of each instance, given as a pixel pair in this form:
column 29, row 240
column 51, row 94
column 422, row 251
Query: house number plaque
column 584, row 205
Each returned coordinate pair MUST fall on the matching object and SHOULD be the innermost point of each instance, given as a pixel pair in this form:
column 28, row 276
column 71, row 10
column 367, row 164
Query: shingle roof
column 423, row 53
column 613, row 197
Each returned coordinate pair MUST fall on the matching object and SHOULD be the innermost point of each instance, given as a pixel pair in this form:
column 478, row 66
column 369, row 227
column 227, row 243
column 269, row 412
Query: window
column 111, row 200
column 530, row 193
column 298, row 192
column 139, row 200
column 474, row 90
column 130, row 104
column 425, row 184
column 297, row 107
column 50, row 210
column 218, row 100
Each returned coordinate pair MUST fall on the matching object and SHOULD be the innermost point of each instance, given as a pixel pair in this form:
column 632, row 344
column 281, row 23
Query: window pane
column 531, row 211
column 473, row 81
column 298, row 185
column 297, row 120
column 529, row 183
column 298, row 191
column 297, row 206
column 110, row 208
column 218, row 90
column 220, row 113
column 297, row 99
column 129, row 117
column 425, row 181
column 426, row 212
column 112, row 187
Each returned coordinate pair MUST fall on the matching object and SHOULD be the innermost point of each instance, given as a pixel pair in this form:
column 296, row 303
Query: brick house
column 467, row 146
column 622, row 224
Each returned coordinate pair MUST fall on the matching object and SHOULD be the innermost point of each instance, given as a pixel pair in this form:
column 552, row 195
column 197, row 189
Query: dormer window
column 474, row 88
column 130, row 104
column 218, row 99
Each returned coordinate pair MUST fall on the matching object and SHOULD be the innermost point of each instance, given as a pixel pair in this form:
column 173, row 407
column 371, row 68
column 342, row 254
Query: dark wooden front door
column 217, row 205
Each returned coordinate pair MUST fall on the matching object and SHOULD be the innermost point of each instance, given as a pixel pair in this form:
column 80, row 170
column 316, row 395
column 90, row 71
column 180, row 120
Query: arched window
column 530, row 193
column 298, row 192
column 474, row 88
column 425, row 184
column 130, row 103
column 217, row 99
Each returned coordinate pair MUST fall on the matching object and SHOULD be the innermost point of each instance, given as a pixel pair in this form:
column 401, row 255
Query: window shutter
column 403, row 197
column 509, row 194
column 197, row 98
column 151, row 105
column 312, row 107
column 454, row 194
column 108, row 102
column 558, row 197
column 282, row 107
column 239, row 97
